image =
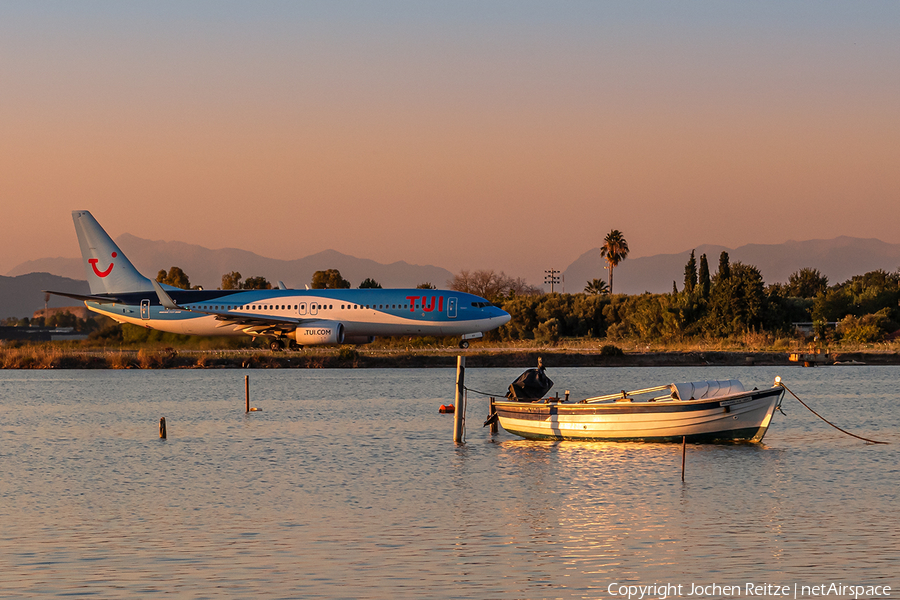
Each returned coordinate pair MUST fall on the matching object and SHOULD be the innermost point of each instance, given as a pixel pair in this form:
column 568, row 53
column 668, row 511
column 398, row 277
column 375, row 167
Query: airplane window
column 330, row 306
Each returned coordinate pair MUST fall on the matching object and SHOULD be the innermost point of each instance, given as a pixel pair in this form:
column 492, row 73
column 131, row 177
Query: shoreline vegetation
column 574, row 354
column 730, row 318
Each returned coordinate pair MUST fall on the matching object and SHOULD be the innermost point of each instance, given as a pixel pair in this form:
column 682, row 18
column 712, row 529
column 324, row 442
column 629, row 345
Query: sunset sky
column 505, row 135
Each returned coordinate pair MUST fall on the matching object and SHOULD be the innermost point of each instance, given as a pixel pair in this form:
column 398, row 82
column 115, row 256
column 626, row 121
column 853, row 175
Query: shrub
column 548, row 331
column 348, row 354
column 610, row 350
column 862, row 330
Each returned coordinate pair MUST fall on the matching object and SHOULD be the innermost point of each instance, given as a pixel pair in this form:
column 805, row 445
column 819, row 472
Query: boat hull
column 743, row 417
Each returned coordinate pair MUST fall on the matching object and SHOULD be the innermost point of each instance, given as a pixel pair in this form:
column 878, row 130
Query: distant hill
column 20, row 296
column 205, row 267
column 839, row 259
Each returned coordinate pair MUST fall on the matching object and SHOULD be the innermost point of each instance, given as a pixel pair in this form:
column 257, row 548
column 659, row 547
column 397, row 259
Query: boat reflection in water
column 703, row 411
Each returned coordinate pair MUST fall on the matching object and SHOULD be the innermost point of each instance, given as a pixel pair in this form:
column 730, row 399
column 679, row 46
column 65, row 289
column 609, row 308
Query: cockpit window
column 481, row 304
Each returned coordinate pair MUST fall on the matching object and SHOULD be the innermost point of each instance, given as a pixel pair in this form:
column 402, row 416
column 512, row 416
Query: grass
column 83, row 355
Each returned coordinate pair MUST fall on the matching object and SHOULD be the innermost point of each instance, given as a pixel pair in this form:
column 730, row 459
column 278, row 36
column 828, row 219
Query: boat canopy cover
column 697, row 390
column 533, row 384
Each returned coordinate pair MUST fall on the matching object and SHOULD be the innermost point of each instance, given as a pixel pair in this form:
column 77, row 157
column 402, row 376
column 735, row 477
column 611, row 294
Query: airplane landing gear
column 464, row 344
column 276, row 346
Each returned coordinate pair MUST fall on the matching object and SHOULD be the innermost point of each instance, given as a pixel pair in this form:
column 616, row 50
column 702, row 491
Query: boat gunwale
column 553, row 406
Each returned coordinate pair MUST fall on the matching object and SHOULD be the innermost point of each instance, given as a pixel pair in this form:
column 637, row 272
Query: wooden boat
column 704, row 411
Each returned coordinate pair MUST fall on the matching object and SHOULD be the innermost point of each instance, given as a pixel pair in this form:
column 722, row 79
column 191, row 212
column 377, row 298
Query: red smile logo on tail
column 97, row 271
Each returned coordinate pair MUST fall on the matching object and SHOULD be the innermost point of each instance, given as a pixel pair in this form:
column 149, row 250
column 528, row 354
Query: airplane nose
column 504, row 317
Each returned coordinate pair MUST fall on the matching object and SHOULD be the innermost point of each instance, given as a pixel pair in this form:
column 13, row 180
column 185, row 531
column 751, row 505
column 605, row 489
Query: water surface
column 348, row 485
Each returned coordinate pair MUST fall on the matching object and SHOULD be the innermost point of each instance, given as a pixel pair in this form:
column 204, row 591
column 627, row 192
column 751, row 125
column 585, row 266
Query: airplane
column 288, row 318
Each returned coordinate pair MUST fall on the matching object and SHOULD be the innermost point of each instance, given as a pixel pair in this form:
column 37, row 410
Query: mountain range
column 839, row 259
column 205, row 267
column 21, row 296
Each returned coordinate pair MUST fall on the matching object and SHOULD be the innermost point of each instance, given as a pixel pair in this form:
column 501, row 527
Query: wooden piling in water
column 246, row 393
column 459, row 417
column 495, row 426
column 162, row 428
column 683, row 452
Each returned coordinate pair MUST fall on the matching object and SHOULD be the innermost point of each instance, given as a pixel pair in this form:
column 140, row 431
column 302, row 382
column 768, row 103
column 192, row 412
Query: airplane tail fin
column 108, row 270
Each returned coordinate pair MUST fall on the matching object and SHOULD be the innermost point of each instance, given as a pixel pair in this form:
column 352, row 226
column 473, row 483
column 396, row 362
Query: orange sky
column 466, row 135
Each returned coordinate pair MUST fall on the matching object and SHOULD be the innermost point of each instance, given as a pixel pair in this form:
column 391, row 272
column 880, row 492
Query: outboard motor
column 531, row 385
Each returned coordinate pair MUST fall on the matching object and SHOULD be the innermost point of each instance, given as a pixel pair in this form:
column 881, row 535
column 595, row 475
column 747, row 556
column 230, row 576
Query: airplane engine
column 317, row 333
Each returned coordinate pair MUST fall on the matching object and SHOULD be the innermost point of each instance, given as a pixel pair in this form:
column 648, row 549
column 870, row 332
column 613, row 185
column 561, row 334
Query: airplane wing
column 249, row 322
column 83, row 298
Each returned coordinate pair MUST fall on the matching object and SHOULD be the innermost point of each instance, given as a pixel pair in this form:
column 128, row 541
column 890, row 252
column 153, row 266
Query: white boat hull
column 742, row 417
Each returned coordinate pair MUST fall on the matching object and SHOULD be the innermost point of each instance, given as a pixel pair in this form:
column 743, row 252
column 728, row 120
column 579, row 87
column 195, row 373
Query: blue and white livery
column 289, row 317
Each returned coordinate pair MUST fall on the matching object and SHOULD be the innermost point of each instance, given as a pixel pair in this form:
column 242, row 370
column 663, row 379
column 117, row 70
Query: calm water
column 348, row 485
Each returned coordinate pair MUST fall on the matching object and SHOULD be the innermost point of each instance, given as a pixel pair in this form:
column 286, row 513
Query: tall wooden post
column 495, row 426
column 162, row 428
column 246, row 393
column 459, row 416
column 683, row 451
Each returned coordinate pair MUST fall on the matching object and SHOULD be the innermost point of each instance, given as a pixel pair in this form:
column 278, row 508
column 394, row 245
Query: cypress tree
column 724, row 266
column 703, row 278
column 690, row 274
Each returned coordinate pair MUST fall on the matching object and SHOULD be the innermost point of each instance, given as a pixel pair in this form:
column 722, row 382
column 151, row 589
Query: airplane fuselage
column 365, row 312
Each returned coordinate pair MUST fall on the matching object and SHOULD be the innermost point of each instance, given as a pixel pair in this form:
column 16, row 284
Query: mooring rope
column 827, row 421
column 468, row 389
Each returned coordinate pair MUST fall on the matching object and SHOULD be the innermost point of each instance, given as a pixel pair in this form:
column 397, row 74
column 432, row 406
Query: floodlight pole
column 550, row 276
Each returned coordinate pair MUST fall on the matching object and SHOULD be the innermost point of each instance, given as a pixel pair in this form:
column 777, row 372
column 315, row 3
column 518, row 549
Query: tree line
column 733, row 301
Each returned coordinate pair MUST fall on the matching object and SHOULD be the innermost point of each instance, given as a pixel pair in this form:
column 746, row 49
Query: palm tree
column 596, row 287
column 614, row 250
